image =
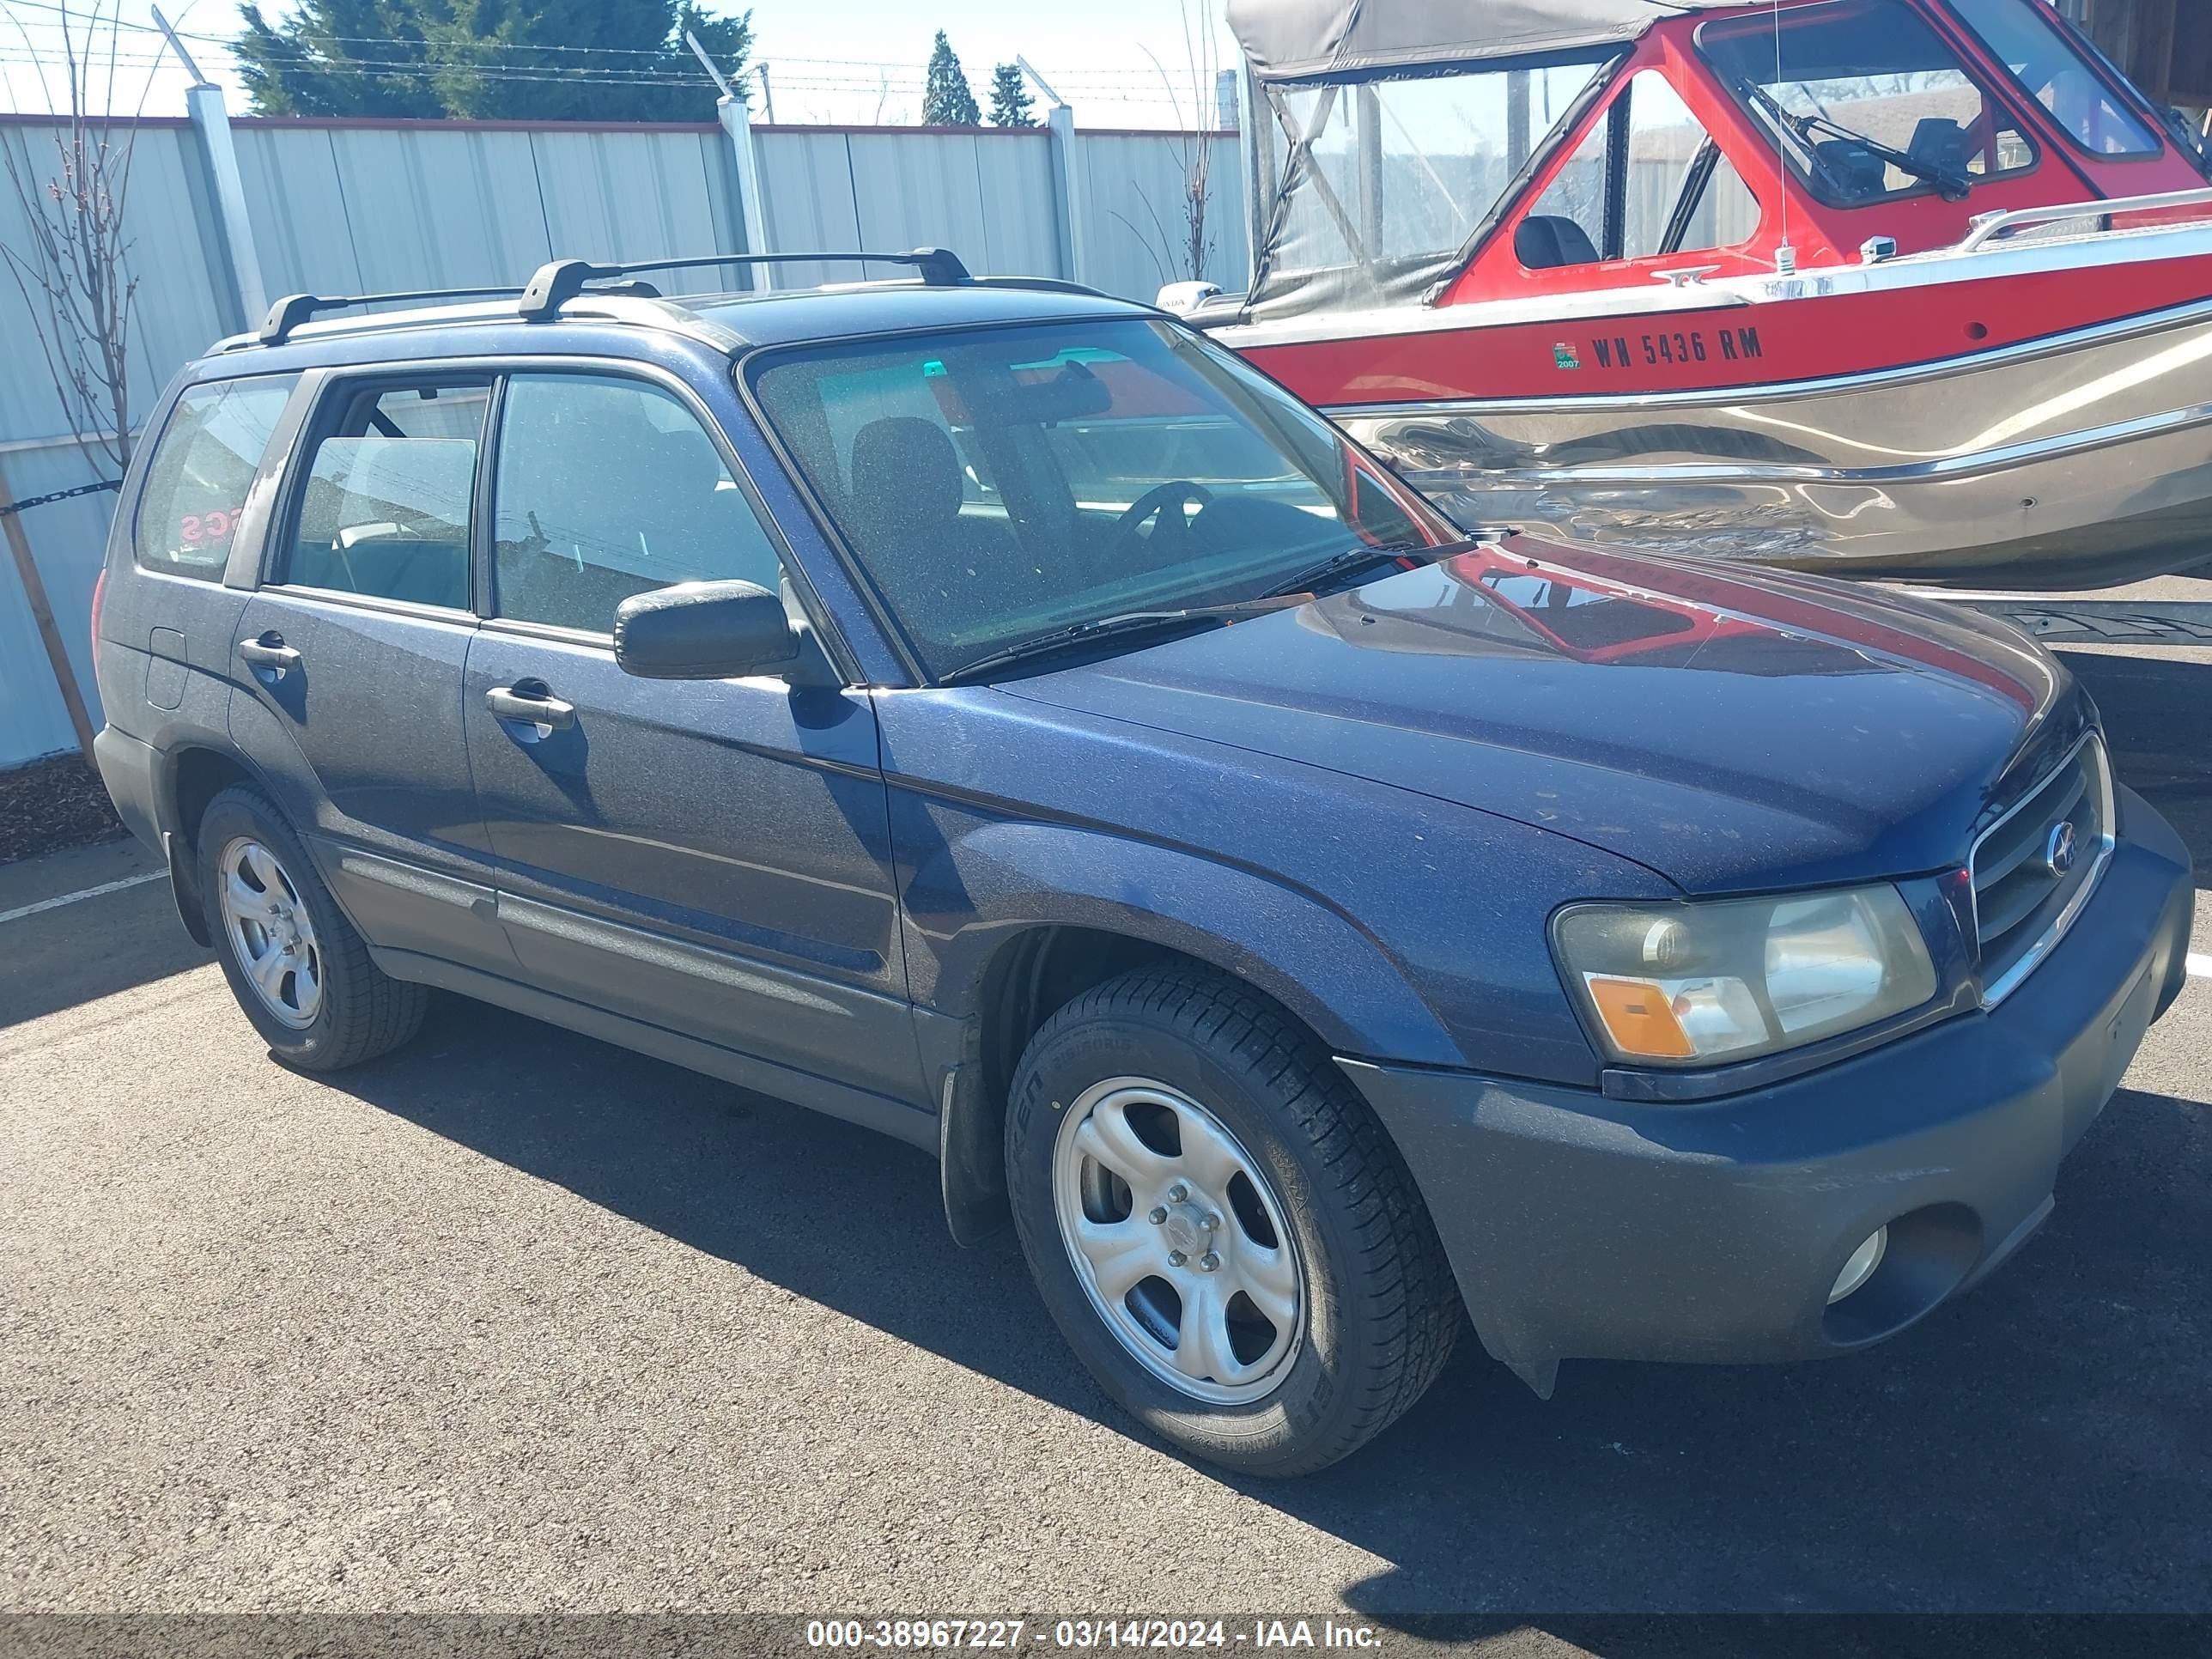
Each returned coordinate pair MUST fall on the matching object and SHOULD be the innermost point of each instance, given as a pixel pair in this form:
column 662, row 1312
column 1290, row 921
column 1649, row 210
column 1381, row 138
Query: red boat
column 1915, row 288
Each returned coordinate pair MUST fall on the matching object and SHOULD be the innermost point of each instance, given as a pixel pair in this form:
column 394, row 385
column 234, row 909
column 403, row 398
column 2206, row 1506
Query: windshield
column 1836, row 86
column 1002, row 484
column 2051, row 72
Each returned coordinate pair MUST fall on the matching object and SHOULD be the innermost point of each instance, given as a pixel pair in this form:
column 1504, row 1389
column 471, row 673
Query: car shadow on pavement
column 2158, row 717
column 61, row 959
column 2044, row 1444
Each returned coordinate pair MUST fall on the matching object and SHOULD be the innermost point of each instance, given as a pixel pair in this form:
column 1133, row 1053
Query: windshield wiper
column 1127, row 621
column 1350, row 559
column 1955, row 186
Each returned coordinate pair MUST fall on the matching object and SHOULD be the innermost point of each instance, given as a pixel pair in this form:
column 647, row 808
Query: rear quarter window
column 202, row 468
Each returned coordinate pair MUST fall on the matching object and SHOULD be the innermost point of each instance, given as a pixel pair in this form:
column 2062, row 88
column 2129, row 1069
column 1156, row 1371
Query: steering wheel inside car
column 1157, row 500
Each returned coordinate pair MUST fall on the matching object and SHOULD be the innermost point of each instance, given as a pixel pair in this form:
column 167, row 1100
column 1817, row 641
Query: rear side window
column 607, row 488
column 1682, row 192
column 197, row 482
column 385, row 509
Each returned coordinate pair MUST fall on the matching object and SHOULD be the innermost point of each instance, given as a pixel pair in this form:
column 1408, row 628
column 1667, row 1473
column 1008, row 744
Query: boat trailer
column 2066, row 620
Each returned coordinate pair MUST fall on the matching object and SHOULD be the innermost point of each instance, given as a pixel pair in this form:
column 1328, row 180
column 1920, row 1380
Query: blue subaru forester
column 991, row 712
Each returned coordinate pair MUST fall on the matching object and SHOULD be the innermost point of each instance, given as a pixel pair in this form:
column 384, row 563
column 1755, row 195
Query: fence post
column 1069, row 196
column 233, row 245
column 737, row 121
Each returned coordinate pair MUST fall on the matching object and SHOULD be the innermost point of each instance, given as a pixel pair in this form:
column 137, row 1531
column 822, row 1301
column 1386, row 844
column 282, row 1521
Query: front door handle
column 529, row 702
column 268, row 651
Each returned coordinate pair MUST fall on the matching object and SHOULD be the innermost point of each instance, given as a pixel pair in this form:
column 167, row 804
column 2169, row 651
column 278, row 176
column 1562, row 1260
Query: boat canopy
column 1308, row 39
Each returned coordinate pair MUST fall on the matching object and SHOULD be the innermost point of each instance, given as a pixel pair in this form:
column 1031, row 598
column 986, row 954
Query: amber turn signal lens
column 1639, row 1019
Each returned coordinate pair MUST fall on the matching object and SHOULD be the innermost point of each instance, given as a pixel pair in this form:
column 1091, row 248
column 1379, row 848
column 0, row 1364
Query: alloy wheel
column 1178, row 1240
column 270, row 932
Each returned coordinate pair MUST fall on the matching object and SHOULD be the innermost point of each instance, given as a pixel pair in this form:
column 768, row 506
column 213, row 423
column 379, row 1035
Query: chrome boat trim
column 1979, row 463
column 1989, row 225
column 2090, row 250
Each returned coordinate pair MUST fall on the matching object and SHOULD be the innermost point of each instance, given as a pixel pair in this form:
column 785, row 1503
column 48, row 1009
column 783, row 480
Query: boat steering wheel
column 1157, row 500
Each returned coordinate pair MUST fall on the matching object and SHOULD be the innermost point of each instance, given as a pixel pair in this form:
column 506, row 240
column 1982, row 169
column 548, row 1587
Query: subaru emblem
column 2059, row 852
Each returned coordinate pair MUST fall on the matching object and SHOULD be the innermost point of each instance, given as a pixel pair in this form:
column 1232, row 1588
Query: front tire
column 298, row 968
column 1222, row 1231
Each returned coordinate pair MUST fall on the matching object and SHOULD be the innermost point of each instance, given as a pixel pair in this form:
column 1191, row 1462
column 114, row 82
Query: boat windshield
column 2029, row 44
column 1382, row 183
column 1866, row 102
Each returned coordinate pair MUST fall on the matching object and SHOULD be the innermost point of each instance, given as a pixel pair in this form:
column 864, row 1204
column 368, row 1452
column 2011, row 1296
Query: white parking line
column 20, row 911
column 2200, row 967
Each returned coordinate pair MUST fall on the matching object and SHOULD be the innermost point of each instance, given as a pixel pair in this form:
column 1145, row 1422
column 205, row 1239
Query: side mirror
column 712, row 631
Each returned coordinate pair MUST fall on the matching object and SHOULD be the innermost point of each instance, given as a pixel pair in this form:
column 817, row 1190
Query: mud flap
column 185, row 890
column 971, row 1159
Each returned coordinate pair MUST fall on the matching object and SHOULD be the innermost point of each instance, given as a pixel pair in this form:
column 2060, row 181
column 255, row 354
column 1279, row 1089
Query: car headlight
column 1693, row 984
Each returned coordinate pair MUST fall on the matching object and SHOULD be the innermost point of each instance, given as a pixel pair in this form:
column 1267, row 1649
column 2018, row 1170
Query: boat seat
column 1856, row 169
column 1550, row 241
column 1940, row 143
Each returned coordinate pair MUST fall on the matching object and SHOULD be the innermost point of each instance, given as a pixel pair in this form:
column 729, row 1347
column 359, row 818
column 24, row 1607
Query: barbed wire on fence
column 525, row 63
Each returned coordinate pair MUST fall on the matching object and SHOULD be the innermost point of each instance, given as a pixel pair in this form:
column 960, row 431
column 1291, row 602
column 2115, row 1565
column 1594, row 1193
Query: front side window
column 1000, row 485
column 197, row 481
column 1680, row 193
column 608, row 487
column 1866, row 101
column 385, row 511
column 2051, row 71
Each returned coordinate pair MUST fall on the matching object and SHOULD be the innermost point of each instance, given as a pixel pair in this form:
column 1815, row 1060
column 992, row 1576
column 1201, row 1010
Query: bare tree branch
column 1194, row 150
column 1148, row 250
column 73, row 273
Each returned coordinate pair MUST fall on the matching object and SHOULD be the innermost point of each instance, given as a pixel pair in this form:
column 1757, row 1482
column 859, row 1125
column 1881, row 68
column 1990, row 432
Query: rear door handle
column 529, row 702
column 269, row 652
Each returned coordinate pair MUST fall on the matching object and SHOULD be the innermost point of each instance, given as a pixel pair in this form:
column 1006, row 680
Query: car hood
column 1733, row 730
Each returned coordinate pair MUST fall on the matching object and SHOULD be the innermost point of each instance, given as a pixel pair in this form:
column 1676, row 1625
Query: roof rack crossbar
column 294, row 309
column 560, row 281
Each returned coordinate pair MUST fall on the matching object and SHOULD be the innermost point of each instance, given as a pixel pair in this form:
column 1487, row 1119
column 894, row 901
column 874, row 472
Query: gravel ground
column 51, row 804
column 514, row 1322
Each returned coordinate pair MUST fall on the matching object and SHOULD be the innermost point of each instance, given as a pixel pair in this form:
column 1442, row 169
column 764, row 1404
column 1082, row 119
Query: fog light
column 1860, row 1268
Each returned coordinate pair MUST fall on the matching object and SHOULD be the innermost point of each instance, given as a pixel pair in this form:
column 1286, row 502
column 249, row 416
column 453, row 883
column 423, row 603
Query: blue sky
column 829, row 60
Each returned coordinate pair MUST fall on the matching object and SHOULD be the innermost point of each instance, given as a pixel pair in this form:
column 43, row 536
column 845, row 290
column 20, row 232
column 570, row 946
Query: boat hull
column 2032, row 416
column 2079, row 461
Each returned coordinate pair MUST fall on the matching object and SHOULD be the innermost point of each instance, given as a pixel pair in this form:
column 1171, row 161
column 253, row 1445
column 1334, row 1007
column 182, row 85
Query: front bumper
column 1583, row 1227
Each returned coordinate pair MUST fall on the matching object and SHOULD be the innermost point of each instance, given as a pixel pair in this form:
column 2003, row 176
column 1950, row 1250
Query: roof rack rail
column 1044, row 285
column 560, row 281
column 294, row 309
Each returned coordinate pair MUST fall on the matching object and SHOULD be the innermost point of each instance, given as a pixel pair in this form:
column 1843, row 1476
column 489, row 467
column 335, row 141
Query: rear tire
column 298, row 968
column 1327, row 1308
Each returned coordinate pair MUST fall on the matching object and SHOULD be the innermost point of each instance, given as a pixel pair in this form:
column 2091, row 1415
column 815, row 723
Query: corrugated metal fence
column 358, row 207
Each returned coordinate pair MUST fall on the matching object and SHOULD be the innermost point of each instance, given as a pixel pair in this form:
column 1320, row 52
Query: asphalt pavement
column 516, row 1320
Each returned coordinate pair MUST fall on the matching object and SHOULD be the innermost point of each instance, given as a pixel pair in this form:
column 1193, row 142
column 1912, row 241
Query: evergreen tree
column 546, row 60
column 946, row 99
column 1010, row 98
